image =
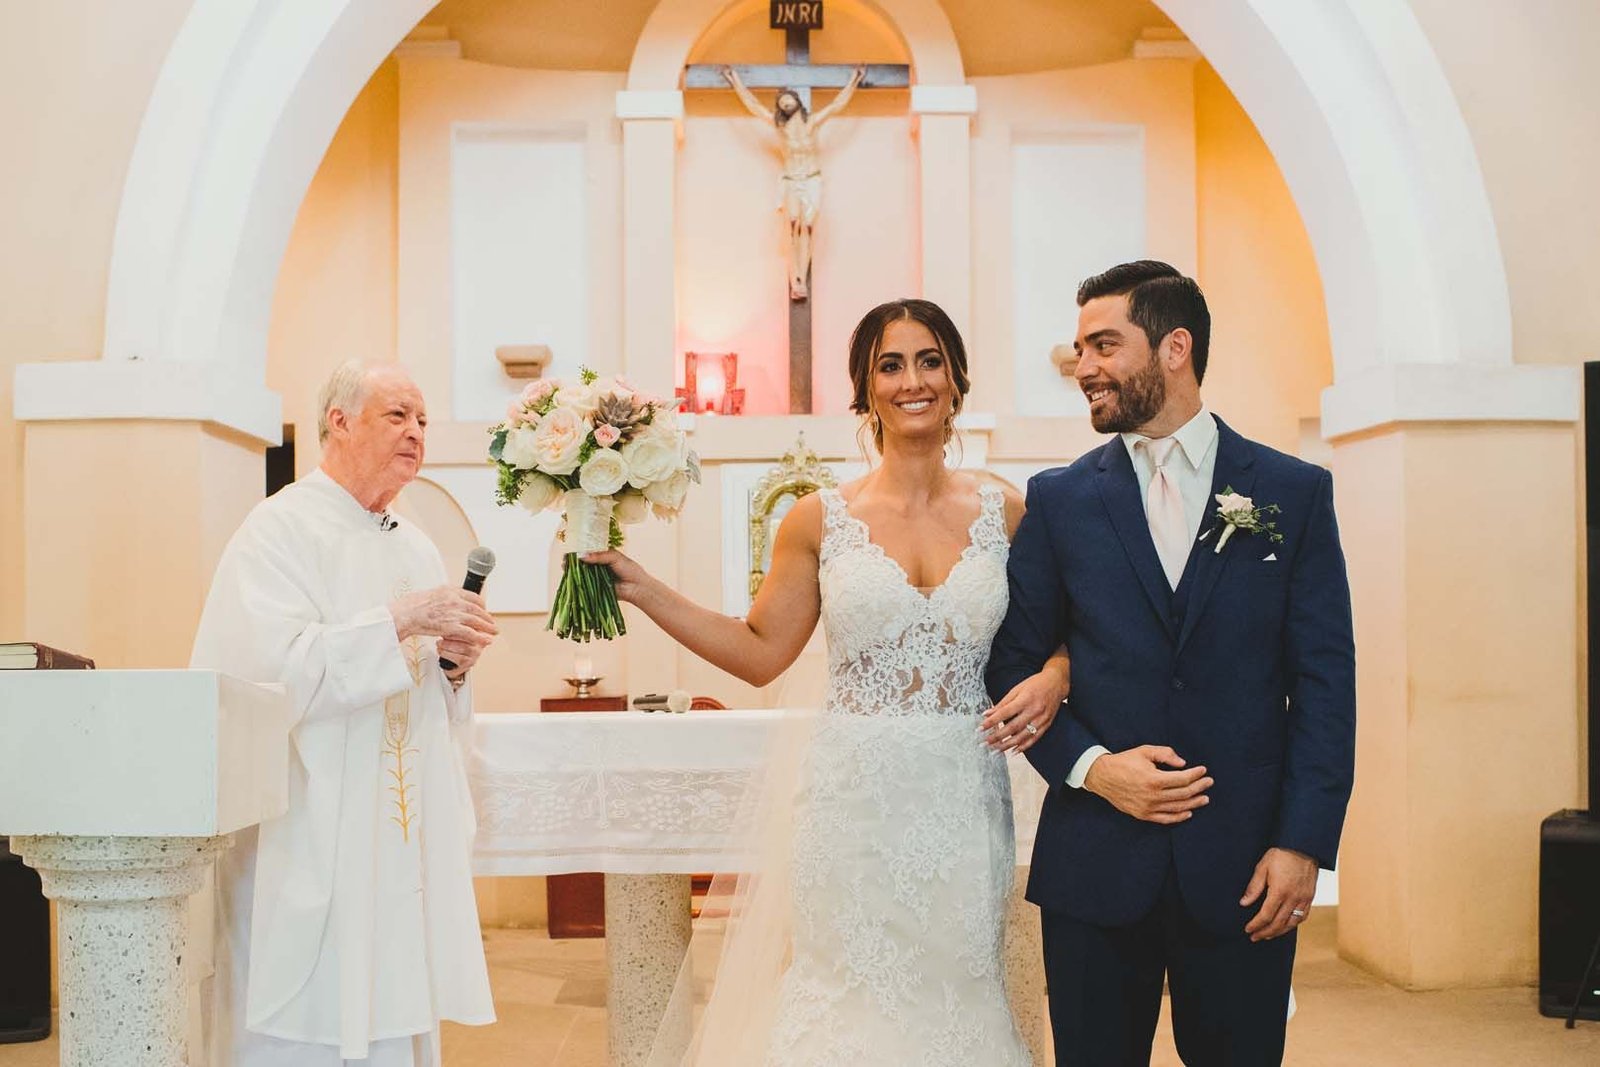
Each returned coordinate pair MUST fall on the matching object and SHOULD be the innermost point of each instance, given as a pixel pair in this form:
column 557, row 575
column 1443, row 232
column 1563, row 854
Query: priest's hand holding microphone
column 456, row 616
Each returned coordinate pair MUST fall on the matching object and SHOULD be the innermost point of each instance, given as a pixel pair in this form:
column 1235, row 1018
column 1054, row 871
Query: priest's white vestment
column 350, row 922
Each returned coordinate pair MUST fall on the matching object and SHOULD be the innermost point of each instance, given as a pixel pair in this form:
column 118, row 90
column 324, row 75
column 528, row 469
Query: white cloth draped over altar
column 634, row 792
column 649, row 799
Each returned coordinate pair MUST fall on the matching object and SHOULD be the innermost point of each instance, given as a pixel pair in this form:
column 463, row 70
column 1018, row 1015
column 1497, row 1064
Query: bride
column 901, row 859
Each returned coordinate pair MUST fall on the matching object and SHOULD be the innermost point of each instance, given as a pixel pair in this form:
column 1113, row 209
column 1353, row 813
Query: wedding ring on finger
column 1032, row 729
column 1297, row 913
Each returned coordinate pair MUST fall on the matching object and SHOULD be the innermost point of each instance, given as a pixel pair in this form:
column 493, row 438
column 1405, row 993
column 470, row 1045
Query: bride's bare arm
column 761, row 647
column 1035, row 700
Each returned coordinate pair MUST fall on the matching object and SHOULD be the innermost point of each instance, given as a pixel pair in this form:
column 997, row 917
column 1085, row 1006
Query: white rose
column 605, row 473
column 632, row 508
column 664, row 421
column 520, row 450
column 1230, row 503
column 651, row 458
column 538, row 493
column 669, row 493
column 558, row 440
column 581, row 398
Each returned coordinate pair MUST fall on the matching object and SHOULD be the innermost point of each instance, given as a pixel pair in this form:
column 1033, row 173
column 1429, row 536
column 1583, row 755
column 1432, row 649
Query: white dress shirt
column 1192, row 464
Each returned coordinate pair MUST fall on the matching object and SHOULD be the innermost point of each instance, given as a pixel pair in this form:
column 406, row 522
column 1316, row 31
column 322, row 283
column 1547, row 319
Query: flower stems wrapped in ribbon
column 586, row 605
column 605, row 456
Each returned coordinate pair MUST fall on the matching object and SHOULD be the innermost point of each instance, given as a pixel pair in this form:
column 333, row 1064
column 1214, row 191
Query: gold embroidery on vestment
column 397, row 740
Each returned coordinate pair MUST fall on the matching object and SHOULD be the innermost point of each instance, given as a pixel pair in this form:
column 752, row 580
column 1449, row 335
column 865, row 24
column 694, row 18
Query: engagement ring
column 1031, row 728
column 1297, row 913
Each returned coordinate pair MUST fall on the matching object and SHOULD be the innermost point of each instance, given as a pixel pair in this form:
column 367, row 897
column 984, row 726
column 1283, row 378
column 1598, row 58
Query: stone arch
column 1348, row 95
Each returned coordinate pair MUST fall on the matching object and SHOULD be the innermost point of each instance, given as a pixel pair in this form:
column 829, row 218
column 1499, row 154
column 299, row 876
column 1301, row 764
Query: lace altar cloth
column 628, row 792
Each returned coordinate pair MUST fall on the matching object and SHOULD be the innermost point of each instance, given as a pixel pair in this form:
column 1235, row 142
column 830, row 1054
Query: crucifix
column 801, row 184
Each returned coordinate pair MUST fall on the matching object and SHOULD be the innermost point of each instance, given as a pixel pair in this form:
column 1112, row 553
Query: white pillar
column 944, row 129
column 650, row 126
column 122, row 913
column 647, row 938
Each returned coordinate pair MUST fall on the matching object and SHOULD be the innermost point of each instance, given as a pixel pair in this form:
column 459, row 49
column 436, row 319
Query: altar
column 650, row 799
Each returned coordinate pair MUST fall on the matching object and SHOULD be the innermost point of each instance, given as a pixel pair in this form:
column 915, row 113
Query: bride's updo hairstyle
column 867, row 342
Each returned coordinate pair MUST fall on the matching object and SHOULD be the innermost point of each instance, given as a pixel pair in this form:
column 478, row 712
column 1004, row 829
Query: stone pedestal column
column 121, row 941
column 1025, row 968
column 647, row 937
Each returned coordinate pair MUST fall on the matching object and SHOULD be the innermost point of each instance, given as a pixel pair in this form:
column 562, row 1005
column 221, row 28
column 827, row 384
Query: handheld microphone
column 480, row 561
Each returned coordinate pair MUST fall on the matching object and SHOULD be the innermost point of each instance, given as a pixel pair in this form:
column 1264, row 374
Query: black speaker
column 1569, row 914
column 1569, row 841
column 24, row 952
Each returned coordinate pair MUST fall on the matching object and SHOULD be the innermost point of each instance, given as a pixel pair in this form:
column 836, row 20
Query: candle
column 583, row 667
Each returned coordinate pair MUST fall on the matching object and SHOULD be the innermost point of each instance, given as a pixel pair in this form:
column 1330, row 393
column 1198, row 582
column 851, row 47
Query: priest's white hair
column 345, row 389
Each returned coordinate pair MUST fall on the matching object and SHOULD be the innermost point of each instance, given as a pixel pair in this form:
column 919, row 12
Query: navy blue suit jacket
column 1248, row 668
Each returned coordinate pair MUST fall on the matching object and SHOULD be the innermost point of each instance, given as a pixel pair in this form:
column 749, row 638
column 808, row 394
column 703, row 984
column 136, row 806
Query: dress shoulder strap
column 990, row 529
column 838, row 525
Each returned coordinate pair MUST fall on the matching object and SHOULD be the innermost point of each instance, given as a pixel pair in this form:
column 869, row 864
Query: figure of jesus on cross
column 800, row 187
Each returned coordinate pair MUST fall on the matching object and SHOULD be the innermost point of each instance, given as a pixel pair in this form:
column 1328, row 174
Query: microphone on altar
column 480, row 561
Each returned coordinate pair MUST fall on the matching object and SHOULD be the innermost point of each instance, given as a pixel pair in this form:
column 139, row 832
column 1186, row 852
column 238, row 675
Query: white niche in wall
column 519, row 250
column 1077, row 207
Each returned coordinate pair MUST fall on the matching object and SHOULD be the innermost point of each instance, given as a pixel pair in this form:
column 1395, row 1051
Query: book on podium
column 24, row 912
column 32, row 656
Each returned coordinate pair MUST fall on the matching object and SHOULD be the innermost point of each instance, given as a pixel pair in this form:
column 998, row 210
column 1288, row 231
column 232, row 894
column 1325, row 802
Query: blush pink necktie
column 1163, row 507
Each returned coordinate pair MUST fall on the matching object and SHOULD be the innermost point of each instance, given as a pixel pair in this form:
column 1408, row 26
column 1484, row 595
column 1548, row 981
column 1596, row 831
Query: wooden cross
column 797, row 18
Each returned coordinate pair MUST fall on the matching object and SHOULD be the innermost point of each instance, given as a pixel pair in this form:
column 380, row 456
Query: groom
column 1200, row 774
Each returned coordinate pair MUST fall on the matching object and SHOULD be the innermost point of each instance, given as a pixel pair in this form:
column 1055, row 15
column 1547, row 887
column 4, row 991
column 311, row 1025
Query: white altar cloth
column 631, row 792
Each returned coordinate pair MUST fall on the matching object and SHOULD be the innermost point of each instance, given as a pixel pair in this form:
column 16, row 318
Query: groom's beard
column 1133, row 402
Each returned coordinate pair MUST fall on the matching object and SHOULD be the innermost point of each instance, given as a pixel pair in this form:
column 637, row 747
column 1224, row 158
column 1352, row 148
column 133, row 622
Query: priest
column 347, row 928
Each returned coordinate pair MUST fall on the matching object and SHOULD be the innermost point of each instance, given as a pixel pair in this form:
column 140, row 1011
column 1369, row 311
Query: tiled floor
column 550, row 996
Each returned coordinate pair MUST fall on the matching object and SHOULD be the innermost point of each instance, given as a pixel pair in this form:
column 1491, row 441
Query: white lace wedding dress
column 902, row 858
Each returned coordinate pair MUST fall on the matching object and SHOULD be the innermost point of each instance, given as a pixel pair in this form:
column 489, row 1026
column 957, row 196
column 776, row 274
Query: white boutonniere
column 1236, row 512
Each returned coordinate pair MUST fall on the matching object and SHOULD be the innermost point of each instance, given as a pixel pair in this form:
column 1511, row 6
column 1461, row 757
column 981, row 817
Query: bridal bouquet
column 603, row 455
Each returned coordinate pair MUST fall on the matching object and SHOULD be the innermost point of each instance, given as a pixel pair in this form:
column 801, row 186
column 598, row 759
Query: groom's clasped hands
column 1137, row 783
column 1155, row 784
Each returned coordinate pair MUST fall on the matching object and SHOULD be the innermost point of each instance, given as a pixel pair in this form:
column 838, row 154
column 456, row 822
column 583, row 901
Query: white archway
column 1347, row 94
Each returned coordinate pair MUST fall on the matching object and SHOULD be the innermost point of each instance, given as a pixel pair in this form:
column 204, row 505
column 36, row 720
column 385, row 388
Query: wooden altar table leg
column 647, row 936
column 1025, row 968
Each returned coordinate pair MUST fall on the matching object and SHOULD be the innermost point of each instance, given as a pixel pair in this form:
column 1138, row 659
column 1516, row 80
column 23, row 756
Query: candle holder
column 582, row 685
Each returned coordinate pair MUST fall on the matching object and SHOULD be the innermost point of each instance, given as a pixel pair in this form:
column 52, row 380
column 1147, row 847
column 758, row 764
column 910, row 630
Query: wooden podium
column 576, row 903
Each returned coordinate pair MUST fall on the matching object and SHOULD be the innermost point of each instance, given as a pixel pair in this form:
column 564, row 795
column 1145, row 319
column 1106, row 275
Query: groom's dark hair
column 1160, row 300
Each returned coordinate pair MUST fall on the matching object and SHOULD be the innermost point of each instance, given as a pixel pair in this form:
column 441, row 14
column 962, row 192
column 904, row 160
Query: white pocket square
column 1270, row 557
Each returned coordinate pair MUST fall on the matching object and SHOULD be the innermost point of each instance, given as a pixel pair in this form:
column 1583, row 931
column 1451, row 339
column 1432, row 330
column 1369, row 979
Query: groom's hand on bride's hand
column 1136, row 783
column 1289, row 881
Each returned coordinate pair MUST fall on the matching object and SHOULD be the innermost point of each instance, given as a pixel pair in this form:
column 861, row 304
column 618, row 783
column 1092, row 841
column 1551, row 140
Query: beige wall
column 1269, row 337
column 1526, row 82
column 74, row 80
column 1525, row 77
column 335, row 298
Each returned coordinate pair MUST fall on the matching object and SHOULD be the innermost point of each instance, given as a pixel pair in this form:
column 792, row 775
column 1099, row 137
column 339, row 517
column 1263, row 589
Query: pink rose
column 537, row 390
column 606, row 435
